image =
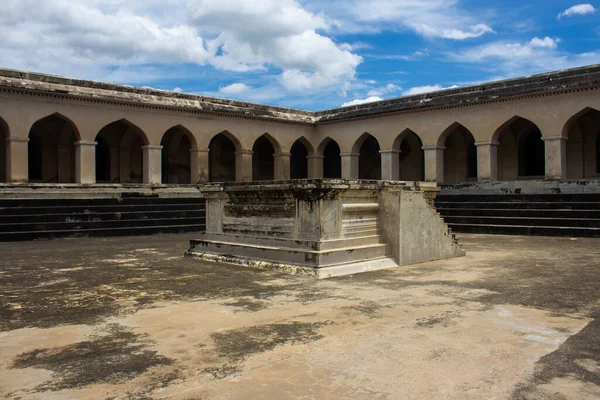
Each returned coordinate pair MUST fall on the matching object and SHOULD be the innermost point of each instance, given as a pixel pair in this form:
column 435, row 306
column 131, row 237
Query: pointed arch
column 4, row 134
column 51, row 149
column 411, row 156
column 521, row 150
column 369, row 159
column 177, row 144
column 460, row 153
column 330, row 150
column 263, row 158
column 222, row 157
column 119, row 155
column 582, row 132
column 299, row 153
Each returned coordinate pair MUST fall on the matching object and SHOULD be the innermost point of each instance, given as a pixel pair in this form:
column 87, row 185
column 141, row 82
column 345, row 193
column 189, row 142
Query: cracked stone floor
column 130, row 318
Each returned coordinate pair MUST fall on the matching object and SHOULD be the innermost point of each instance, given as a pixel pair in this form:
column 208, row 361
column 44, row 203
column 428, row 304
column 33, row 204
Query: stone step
column 524, row 213
column 65, row 209
column 520, row 205
column 104, row 216
column 68, row 226
column 564, row 222
column 361, row 233
column 100, row 201
column 293, row 256
column 510, row 197
column 526, row 230
column 137, row 231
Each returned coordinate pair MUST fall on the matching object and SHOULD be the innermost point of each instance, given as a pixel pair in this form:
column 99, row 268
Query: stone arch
column 51, row 149
column 119, row 157
column 263, row 158
column 4, row 134
column 177, row 144
column 411, row 157
column 460, row 153
column 330, row 150
column 582, row 132
column 369, row 159
column 222, row 157
column 299, row 153
column 521, row 150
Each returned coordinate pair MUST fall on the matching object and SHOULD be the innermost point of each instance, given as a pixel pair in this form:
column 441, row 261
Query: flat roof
column 541, row 83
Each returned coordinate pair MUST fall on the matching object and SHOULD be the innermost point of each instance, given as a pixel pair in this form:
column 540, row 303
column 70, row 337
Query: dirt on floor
column 130, row 318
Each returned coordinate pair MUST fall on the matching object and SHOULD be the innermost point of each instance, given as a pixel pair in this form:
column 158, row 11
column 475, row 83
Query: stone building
column 61, row 130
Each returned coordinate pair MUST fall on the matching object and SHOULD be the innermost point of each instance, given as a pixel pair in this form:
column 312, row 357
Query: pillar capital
column 389, row 151
column 349, row 154
column 244, row 152
column 554, row 138
column 487, row 143
column 85, row 143
column 315, row 157
column 152, row 147
column 199, row 150
column 282, row 154
column 16, row 139
column 429, row 148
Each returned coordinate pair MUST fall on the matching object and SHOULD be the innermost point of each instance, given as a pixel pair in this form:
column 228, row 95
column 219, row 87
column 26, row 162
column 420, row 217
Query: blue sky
column 305, row 54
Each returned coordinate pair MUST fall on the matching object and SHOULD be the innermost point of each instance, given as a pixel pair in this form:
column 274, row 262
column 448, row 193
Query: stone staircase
column 119, row 215
column 575, row 215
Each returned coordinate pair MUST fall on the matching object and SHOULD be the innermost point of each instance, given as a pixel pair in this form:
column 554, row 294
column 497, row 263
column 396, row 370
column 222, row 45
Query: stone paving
column 130, row 318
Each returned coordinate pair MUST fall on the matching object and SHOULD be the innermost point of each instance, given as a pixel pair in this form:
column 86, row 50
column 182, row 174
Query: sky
column 304, row 54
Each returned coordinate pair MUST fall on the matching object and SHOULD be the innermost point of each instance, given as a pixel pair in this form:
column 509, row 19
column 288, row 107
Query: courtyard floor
column 130, row 318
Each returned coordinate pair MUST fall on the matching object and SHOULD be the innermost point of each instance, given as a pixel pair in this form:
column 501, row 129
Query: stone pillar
column 85, row 162
column 282, row 166
column 17, row 159
column 315, row 167
column 434, row 163
column 390, row 165
column 349, row 165
column 199, row 164
column 556, row 157
column 487, row 161
column 243, row 165
column 152, row 163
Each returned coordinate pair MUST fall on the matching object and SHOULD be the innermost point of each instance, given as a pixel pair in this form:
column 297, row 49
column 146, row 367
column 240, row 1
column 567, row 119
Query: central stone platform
column 323, row 227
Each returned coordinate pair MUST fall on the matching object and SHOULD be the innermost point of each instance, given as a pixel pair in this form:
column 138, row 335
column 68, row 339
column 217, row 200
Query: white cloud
column 177, row 90
column 512, row 59
column 361, row 101
column 429, row 18
column 234, row 88
column 579, row 9
column 389, row 88
column 425, row 89
column 94, row 38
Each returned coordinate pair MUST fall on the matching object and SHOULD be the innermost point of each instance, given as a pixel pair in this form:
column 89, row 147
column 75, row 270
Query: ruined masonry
column 323, row 228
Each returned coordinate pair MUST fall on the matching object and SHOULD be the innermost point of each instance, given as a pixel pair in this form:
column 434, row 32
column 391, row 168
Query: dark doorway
column 299, row 161
column 369, row 161
column 263, row 161
column 411, row 158
column 176, row 157
column 532, row 153
column 221, row 167
column 122, row 144
column 102, row 161
column 332, row 161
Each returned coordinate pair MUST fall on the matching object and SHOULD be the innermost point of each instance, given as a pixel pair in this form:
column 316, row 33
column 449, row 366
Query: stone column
column 556, row 157
column 315, row 167
column 243, row 165
column 85, row 162
column 282, row 166
column 390, row 165
column 434, row 163
column 349, row 165
column 17, row 159
column 199, row 164
column 152, row 164
column 487, row 160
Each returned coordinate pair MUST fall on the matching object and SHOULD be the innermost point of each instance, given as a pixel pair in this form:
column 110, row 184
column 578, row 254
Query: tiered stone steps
column 576, row 215
column 48, row 218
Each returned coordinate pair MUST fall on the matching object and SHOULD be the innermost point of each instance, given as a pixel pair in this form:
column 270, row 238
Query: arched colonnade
column 121, row 153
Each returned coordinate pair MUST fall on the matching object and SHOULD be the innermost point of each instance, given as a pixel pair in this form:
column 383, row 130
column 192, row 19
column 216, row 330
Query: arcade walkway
column 129, row 318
